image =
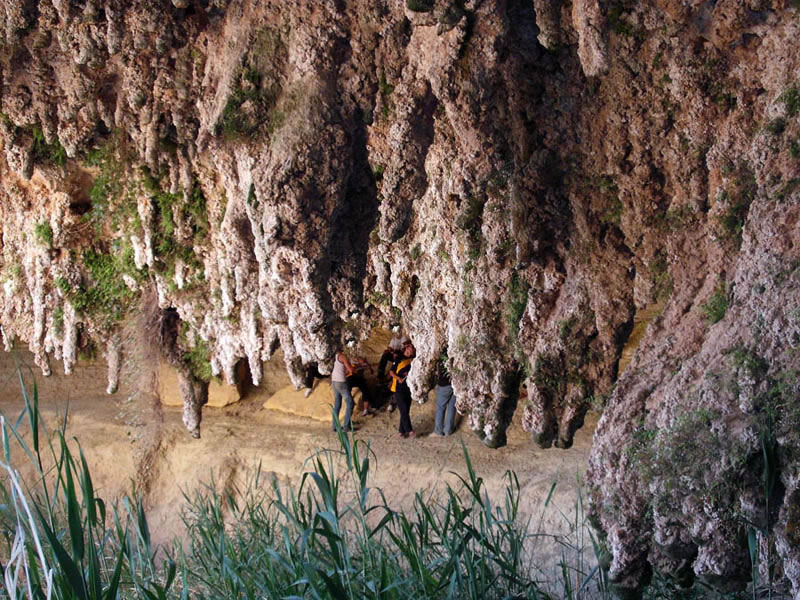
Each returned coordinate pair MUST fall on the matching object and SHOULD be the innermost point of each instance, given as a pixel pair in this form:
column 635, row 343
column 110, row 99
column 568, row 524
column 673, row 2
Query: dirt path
column 128, row 439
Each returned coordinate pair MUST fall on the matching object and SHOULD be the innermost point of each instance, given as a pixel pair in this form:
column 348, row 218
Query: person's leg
column 348, row 407
column 450, row 419
column 337, row 400
column 385, row 357
column 409, row 402
column 360, row 382
column 398, row 402
column 441, row 405
column 311, row 372
column 404, row 406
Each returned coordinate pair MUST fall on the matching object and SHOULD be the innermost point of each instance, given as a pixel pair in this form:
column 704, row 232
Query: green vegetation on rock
column 47, row 153
column 43, row 233
column 516, row 302
column 419, row 5
column 791, row 100
column 736, row 198
column 196, row 353
column 104, row 295
column 255, row 89
column 716, row 307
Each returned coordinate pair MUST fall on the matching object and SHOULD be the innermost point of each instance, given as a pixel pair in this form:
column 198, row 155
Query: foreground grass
column 329, row 537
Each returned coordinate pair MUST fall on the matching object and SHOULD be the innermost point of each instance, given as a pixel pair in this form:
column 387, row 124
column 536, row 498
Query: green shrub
column 791, row 100
column 606, row 188
column 613, row 214
column 565, row 328
column 250, row 104
column 378, row 299
column 58, row 320
column 616, row 20
column 681, row 456
column 113, row 205
column 104, row 294
column 787, row 188
column 47, row 153
column 197, row 354
column 716, row 307
column 416, row 252
column 43, row 233
column 386, row 90
column 470, row 220
column 776, row 126
column 548, row 373
column 731, row 220
column 746, row 359
column 516, row 302
column 660, row 277
column 737, row 198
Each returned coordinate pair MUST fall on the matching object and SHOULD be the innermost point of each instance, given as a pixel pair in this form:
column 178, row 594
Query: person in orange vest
column 402, row 393
column 393, row 351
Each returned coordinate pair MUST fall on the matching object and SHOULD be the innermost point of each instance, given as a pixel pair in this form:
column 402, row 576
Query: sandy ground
column 131, row 439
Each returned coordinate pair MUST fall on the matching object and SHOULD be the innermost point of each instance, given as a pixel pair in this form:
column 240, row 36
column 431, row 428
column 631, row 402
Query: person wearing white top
column 341, row 370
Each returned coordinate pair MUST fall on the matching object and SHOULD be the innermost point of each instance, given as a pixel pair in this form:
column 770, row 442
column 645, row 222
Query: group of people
column 349, row 373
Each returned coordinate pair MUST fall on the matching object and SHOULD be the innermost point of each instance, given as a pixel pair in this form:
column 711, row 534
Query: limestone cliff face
column 511, row 179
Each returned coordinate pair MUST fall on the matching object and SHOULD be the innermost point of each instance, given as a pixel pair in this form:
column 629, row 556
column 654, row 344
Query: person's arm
column 348, row 368
column 404, row 376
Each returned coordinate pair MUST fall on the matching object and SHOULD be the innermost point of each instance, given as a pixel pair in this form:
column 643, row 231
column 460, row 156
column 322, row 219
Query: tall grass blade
column 68, row 567
column 73, row 506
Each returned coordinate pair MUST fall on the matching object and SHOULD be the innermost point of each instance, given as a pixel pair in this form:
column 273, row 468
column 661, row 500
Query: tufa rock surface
column 511, row 180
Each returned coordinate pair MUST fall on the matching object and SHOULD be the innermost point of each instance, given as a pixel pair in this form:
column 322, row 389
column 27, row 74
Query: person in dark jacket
column 402, row 393
column 357, row 379
column 311, row 373
column 445, row 400
column 394, row 350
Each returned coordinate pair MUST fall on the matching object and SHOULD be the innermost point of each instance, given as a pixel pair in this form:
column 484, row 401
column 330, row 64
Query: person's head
column 409, row 351
column 396, row 328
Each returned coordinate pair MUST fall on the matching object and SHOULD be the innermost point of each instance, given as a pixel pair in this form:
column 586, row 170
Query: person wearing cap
column 341, row 389
column 402, row 393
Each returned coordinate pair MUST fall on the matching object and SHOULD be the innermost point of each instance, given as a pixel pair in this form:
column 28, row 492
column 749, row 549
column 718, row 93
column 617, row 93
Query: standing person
column 445, row 400
column 357, row 379
column 393, row 351
column 341, row 370
column 402, row 393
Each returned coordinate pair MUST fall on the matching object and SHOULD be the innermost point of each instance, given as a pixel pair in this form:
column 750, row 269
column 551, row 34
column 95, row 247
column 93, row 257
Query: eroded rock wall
column 511, row 179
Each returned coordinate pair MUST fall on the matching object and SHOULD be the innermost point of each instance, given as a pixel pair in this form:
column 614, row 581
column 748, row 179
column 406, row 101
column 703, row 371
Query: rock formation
column 511, row 179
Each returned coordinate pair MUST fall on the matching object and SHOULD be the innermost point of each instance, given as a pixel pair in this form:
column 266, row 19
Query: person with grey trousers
column 341, row 389
column 445, row 400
